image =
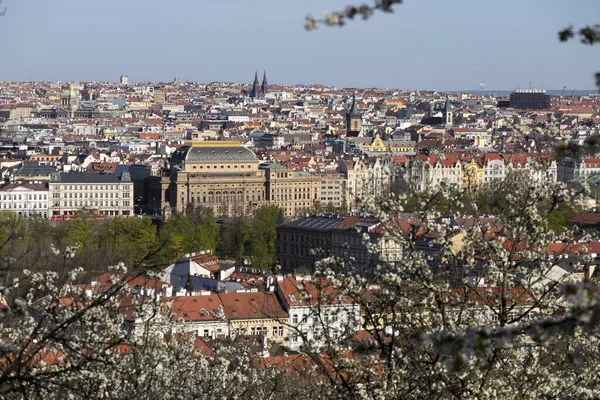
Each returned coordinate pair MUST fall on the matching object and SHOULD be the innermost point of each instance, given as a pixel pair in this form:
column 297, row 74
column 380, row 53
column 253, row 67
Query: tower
column 353, row 119
column 255, row 91
column 263, row 86
column 447, row 112
column 70, row 99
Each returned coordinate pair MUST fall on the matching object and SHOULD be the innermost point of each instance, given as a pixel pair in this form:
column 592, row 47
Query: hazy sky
column 425, row 44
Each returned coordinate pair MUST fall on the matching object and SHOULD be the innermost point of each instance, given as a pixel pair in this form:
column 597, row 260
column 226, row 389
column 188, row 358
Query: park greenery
column 33, row 242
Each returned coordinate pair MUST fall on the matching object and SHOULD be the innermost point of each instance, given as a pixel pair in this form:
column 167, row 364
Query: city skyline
column 450, row 47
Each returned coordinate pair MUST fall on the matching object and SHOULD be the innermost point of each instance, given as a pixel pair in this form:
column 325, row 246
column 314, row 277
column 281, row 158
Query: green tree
column 235, row 239
column 128, row 240
column 264, row 235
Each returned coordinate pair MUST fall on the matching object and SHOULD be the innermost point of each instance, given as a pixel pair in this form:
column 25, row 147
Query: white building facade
column 24, row 198
column 100, row 194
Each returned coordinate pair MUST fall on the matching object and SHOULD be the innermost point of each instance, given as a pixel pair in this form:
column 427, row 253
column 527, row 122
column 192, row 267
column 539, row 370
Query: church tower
column 70, row 99
column 263, row 86
column 353, row 120
column 447, row 112
column 255, row 91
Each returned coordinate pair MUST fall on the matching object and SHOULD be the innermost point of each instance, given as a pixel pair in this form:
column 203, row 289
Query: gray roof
column 84, row 177
column 209, row 153
column 319, row 223
column 35, row 170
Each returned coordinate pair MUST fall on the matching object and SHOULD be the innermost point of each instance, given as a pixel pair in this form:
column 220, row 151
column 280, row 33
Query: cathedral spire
column 263, row 86
column 256, row 77
column 353, row 109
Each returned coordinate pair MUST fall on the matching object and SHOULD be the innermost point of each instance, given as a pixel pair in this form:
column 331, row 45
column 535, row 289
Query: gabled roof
column 195, row 308
column 252, row 305
column 300, row 293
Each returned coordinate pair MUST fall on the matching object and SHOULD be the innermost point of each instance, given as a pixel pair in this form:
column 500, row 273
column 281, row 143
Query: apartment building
column 109, row 195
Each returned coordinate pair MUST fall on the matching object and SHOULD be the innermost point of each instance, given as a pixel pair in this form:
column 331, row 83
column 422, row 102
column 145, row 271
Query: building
column 428, row 172
column 353, row 120
column 295, row 192
column 124, row 80
column 317, row 311
column 255, row 314
column 69, row 100
column 447, row 113
column 493, row 167
column 258, row 90
column 299, row 244
column 366, row 177
column 222, row 175
column 334, row 190
column 196, row 272
column 530, row 99
column 24, row 198
column 202, row 315
column 570, row 169
column 109, row 195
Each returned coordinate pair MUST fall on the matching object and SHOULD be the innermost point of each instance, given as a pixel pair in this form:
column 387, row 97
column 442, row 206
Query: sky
column 425, row 44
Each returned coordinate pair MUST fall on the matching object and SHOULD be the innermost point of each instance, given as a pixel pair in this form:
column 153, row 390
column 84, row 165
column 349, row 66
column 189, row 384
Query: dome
column 69, row 92
column 215, row 153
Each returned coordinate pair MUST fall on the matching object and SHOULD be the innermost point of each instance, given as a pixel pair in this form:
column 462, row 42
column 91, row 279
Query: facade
column 107, row 195
column 202, row 315
column 530, row 99
column 196, row 272
column 472, row 174
column 334, row 190
column 366, row 177
column 255, row 314
column 427, row 172
column 295, row 192
column 313, row 307
column 569, row 169
column 493, row 167
column 298, row 240
column 24, row 198
column 222, row 175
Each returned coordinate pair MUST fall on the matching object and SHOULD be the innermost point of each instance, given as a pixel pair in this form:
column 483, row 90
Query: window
column 295, row 319
column 206, row 332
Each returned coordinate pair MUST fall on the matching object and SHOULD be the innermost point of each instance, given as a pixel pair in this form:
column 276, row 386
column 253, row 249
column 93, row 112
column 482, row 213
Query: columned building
column 222, row 175
column 109, row 195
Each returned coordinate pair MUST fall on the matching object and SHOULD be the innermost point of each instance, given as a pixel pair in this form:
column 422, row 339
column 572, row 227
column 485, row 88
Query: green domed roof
column 214, row 153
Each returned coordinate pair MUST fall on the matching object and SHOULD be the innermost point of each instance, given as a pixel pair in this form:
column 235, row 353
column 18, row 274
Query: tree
column 235, row 239
column 264, row 235
column 480, row 310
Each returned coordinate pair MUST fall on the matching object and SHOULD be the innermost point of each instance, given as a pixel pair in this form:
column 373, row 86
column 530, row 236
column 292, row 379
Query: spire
column 353, row 109
column 263, row 87
column 447, row 105
column 255, row 91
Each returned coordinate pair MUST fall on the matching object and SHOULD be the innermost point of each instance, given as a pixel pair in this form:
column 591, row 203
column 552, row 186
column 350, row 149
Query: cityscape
column 199, row 238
